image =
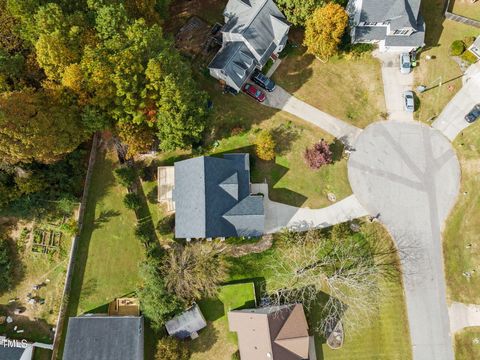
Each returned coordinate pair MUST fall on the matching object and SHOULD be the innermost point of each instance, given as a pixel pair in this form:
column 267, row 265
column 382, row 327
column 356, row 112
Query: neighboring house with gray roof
column 187, row 324
column 396, row 25
column 272, row 333
column 15, row 349
column 213, row 199
column 254, row 31
column 97, row 337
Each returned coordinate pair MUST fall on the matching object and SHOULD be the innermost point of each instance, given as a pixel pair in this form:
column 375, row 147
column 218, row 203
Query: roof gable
column 206, row 189
column 188, row 322
column 281, row 332
column 400, row 13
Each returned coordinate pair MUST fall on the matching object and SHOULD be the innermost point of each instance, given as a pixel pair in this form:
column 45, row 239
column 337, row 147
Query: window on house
column 401, row 32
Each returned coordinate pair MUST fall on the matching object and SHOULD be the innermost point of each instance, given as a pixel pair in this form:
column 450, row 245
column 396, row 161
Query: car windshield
column 257, row 94
column 406, row 65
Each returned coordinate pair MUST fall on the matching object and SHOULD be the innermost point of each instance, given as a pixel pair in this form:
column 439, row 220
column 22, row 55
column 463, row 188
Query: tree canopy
column 194, row 271
column 157, row 304
column 297, row 11
column 324, row 30
column 112, row 57
column 37, row 126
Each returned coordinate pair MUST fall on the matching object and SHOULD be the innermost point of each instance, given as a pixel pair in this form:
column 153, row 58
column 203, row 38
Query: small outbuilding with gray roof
column 254, row 31
column 187, row 324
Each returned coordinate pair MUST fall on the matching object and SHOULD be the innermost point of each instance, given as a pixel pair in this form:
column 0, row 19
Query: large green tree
column 194, row 271
column 297, row 11
column 37, row 126
column 324, row 30
column 157, row 304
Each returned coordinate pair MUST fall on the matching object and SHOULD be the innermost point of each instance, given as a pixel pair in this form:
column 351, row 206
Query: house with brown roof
column 273, row 333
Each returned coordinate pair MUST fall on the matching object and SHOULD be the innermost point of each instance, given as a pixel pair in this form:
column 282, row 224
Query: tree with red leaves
column 319, row 155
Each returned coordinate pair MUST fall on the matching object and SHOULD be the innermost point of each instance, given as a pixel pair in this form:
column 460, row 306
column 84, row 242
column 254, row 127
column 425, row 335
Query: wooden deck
column 166, row 181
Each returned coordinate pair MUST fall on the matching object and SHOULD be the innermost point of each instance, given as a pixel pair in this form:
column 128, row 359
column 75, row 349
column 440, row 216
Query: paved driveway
column 409, row 174
column 463, row 315
column 395, row 84
column 280, row 99
column 451, row 120
column 279, row 216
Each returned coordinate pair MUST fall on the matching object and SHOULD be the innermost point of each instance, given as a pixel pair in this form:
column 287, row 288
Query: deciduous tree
column 324, row 30
column 194, row 271
column 38, row 126
column 169, row 348
column 319, row 155
column 265, row 145
column 347, row 266
column 297, row 11
column 157, row 304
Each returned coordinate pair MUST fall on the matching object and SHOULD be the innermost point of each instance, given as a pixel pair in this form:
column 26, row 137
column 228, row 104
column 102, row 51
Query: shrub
column 358, row 49
column 166, row 225
column 5, row 265
column 236, row 355
column 131, row 201
column 457, row 48
column 319, row 155
column 468, row 40
column 171, row 349
column 469, row 57
column 125, row 175
column 265, row 145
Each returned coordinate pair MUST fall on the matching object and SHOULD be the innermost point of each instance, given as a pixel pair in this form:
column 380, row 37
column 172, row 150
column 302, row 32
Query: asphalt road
column 409, row 174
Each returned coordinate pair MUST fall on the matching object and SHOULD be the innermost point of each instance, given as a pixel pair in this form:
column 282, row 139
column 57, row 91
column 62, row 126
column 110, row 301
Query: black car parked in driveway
column 263, row 81
column 474, row 114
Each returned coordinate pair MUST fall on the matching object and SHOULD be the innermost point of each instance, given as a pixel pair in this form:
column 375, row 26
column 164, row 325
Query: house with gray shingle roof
column 396, row 25
column 254, row 31
column 99, row 337
column 213, row 198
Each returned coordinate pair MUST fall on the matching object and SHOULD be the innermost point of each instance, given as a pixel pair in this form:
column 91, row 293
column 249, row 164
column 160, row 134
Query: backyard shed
column 187, row 324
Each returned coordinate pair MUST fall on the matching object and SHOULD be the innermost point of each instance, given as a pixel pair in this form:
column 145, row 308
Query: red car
column 251, row 90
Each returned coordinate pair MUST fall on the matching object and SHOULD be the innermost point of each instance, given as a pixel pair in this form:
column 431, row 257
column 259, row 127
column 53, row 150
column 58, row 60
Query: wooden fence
column 62, row 317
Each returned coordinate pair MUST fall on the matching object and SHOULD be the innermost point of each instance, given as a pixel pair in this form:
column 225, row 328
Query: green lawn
column 462, row 228
column 465, row 348
column 109, row 254
column 348, row 88
column 216, row 341
column 385, row 337
column 466, row 8
column 440, row 34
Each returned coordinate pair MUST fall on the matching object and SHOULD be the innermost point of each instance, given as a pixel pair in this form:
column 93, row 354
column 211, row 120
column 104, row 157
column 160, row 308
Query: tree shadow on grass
column 207, row 339
column 269, row 172
column 37, row 330
column 17, row 273
column 213, row 308
column 104, row 217
column 284, row 135
column 337, row 148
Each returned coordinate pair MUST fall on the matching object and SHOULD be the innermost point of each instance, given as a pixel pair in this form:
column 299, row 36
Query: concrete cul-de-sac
column 409, row 174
